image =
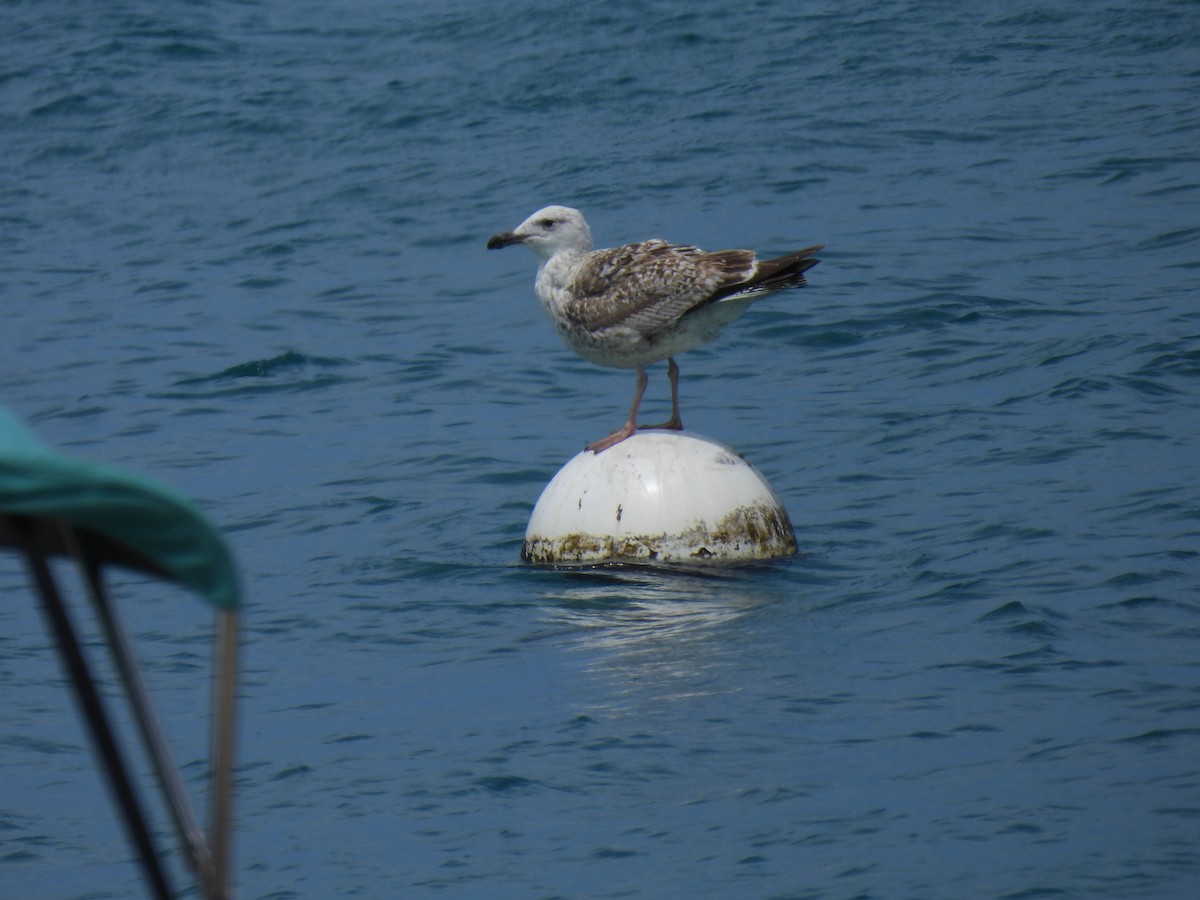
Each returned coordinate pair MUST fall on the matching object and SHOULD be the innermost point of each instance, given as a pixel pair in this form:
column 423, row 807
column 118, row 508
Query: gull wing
column 650, row 285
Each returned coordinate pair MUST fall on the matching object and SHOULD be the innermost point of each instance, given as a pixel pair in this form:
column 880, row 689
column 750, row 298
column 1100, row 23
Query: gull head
column 548, row 232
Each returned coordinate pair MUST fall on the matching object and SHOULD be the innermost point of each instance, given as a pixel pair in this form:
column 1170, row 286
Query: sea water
column 242, row 253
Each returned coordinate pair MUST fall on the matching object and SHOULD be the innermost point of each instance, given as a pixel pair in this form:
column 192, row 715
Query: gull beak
column 504, row 239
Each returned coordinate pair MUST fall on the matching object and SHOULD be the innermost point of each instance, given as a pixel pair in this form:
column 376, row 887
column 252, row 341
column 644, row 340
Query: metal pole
column 191, row 835
column 93, row 709
column 224, row 729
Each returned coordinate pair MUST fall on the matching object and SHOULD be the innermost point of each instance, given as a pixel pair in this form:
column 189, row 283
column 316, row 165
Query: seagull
column 637, row 304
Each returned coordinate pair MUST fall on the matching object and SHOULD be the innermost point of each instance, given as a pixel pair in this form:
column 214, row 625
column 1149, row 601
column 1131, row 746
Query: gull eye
column 548, row 223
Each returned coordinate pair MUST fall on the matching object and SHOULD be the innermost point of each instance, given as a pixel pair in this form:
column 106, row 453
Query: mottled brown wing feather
column 650, row 285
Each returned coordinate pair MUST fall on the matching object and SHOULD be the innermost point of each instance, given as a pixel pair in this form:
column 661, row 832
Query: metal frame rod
column 191, row 835
column 224, row 732
column 98, row 722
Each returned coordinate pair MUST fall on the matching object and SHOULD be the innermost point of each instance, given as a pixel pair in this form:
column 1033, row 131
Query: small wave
column 1175, row 238
column 290, row 372
column 264, row 368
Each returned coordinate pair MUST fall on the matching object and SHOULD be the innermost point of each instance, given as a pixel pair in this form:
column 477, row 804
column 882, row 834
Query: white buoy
column 662, row 497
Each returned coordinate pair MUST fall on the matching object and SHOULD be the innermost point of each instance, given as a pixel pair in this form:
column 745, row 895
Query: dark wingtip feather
column 787, row 270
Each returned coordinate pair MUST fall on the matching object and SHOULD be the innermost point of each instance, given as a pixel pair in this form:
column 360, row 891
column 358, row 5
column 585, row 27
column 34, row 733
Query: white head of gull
column 634, row 305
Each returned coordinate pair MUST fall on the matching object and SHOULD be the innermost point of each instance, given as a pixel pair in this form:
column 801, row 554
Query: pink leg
column 630, row 425
column 674, row 423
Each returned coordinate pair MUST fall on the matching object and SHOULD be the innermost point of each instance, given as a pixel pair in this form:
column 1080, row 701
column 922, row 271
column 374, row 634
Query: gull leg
column 674, row 423
column 630, row 425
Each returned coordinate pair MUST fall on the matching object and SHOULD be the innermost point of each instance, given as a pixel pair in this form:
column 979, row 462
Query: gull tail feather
column 776, row 274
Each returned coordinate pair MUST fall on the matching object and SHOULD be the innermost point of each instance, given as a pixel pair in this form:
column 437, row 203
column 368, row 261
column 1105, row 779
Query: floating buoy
column 658, row 497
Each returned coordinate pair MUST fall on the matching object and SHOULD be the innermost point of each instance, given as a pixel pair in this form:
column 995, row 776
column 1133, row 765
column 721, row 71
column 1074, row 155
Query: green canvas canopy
column 142, row 524
column 54, row 505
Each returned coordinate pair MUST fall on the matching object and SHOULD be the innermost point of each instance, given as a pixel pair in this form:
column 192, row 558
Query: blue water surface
column 242, row 252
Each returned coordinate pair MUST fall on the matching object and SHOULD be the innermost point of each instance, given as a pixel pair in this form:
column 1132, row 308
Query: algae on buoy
column 658, row 496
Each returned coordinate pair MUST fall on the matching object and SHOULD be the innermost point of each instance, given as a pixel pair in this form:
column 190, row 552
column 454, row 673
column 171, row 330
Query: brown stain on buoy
column 751, row 532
